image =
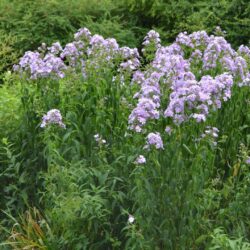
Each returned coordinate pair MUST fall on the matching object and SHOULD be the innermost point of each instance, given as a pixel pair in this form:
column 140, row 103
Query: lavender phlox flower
column 217, row 47
column 174, row 67
column 191, row 99
column 101, row 46
column 196, row 56
column 247, row 161
column 168, row 130
column 52, row 117
column 138, row 77
column 173, row 49
column 150, row 91
column 150, row 88
column 154, row 139
column 96, row 40
column 140, row 160
column 241, row 67
column 152, row 36
column 184, row 39
column 102, row 52
column 112, row 44
column 228, row 63
column 130, row 65
column 185, row 92
column 246, row 81
column 83, row 34
column 72, row 52
column 128, row 53
column 145, row 109
column 38, row 67
column 200, row 38
column 54, row 65
column 29, row 58
column 224, row 83
column 16, row 67
column 199, row 117
column 55, row 48
column 218, row 88
column 244, row 51
column 148, row 103
column 152, row 40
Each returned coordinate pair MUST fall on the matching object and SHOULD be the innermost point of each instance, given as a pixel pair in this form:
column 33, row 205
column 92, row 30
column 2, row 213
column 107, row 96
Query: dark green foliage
column 173, row 17
column 26, row 24
column 8, row 54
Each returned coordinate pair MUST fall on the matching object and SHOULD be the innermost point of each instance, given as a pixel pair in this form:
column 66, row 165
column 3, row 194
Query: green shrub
column 8, row 54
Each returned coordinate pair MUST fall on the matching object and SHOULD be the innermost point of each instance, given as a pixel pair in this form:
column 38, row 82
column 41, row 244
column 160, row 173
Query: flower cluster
column 154, row 139
column 244, row 51
column 72, row 52
column 211, row 133
column 55, row 48
column 191, row 77
column 130, row 59
column 192, row 99
column 40, row 67
column 52, row 117
column 185, row 80
column 151, row 42
column 99, row 139
column 168, row 130
column 83, row 34
column 86, row 53
column 148, row 104
column 100, row 47
column 140, row 160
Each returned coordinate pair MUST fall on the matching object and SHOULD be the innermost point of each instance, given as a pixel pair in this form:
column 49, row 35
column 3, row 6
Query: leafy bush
column 25, row 25
column 173, row 17
column 8, row 54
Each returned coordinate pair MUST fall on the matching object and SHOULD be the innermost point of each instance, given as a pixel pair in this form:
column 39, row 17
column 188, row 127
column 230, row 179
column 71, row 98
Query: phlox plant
column 130, row 149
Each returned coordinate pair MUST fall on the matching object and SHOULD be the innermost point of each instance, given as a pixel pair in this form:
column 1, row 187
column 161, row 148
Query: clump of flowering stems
column 87, row 53
column 180, row 82
column 187, row 79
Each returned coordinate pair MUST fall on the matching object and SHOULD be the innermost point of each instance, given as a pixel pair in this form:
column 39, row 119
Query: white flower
column 131, row 219
column 97, row 137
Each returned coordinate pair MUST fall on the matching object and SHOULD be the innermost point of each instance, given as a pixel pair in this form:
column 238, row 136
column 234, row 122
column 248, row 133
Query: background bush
column 24, row 25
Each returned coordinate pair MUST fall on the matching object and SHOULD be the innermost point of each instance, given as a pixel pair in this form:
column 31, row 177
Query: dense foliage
column 108, row 147
column 24, row 25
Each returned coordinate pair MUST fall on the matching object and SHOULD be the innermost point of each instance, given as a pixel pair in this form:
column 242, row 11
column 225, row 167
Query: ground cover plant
column 110, row 147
